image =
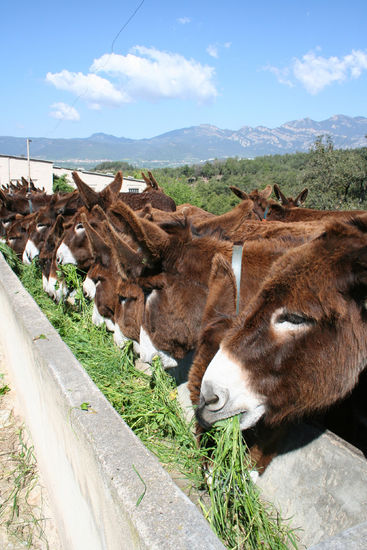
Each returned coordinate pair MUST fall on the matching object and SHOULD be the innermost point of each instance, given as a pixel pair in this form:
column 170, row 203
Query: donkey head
column 302, row 342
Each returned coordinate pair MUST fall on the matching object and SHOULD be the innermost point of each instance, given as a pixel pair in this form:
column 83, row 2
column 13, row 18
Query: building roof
column 25, row 158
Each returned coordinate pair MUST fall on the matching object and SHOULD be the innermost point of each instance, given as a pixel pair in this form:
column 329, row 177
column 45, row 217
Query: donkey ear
column 265, row 193
column 55, row 233
column 279, row 195
column 128, row 261
column 147, row 212
column 110, row 193
column 238, row 192
column 89, row 197
column 218, row 315
column 147, row 181
column 100, row 249
column 300, row 199
column 230, row 221
column 99, row 213
column 150, row 237
column 222, row 292
column 153, row 181
column 59, row 225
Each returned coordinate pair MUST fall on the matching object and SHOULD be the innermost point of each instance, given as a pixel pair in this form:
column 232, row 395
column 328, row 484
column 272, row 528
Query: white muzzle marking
column 45, row 283
column 58, row 293
column 148, row 351
column 89, row 288
column 64, row 255
column 31, row 251
column 119, row 339
column 226, row 391
column 97, row 318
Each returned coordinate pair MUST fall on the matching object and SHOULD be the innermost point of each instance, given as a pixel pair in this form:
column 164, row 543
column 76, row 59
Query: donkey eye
column 293, row 318
column 283, row 322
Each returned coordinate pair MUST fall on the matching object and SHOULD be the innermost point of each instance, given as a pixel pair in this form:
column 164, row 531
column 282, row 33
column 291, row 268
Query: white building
column 12, row 169
column 41, row 172
column 99, row 181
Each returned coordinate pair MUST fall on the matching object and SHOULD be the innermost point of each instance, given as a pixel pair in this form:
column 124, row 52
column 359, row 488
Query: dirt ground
column 25, row 517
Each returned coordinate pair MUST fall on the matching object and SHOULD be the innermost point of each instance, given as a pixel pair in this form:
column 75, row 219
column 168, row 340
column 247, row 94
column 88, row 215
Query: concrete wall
column 13, row 168
column 320, row 482
column 89, row 460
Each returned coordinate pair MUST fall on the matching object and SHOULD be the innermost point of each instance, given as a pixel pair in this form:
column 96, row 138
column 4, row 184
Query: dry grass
column 22, row 520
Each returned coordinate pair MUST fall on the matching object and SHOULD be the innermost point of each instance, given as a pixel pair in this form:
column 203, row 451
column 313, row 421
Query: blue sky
column 70, row 69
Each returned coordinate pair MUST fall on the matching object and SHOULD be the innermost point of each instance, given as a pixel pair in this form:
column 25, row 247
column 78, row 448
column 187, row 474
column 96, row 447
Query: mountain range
column 192, row 145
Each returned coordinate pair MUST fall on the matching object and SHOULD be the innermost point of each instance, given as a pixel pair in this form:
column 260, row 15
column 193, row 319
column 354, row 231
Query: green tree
column 60, row 184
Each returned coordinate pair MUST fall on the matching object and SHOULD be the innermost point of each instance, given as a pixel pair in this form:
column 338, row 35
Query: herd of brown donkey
column 263, row 308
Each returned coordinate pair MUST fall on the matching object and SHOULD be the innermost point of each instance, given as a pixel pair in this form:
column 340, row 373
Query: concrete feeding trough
column 96, row 469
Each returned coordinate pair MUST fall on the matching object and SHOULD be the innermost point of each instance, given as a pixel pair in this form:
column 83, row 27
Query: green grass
column 149, row 405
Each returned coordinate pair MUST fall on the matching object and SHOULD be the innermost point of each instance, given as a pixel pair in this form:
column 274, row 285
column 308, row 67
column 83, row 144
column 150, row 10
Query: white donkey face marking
column 97, row 318
column 225, row 392
column 64, row 255
column 110, row 325
column 119, row 338
column 31, row 251
column 45, row 283
column 150, row 298
column 51, row 287
column 89, row 288
column 57, row 289
column 148, row 351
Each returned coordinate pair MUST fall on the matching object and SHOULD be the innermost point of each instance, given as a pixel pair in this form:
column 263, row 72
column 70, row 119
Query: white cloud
column 315, row 72
column 212, row 50
column 145, row 73
column 62, row 111
column 95, row 90
column 184, row 20
column 151, row 74
column 281, row 74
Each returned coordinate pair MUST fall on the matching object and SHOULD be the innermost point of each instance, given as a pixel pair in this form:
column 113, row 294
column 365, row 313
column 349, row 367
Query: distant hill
column 193, row 145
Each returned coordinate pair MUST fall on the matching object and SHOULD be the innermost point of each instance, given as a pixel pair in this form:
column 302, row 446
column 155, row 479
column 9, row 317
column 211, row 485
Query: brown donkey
column 300, row 345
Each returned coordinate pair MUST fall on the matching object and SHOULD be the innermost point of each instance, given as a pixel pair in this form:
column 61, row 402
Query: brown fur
column 324, row 281
column 17, row 233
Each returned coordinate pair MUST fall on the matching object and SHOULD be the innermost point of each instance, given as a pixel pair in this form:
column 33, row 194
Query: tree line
column 336, row 178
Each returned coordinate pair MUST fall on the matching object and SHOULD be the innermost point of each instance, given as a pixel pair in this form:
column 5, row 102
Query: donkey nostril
column 214, row 398
column 212, row 401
